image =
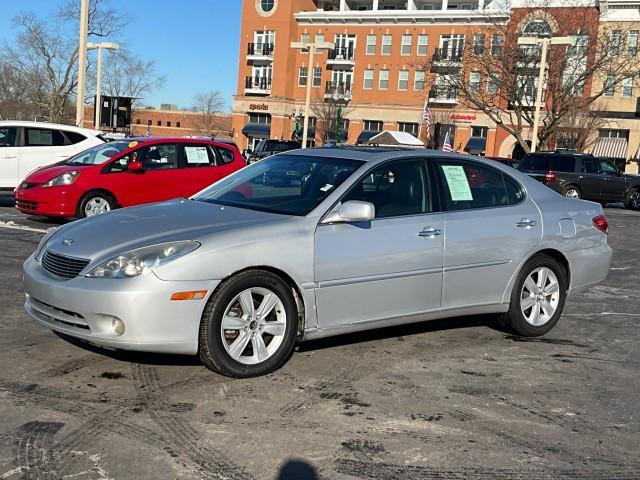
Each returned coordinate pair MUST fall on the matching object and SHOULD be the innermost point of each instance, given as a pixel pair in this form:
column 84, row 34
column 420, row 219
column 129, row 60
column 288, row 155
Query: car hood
column 49, row 172
column 122, row 230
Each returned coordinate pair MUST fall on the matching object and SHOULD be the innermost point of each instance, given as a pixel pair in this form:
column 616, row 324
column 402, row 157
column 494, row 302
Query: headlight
column 45, row 239
column 64, row 179
column 142, row 260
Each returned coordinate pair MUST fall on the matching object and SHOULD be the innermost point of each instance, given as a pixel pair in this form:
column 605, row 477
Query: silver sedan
column 314, row 243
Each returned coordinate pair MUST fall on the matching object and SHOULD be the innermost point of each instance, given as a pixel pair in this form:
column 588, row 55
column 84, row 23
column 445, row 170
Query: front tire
column 538, row 297
column 249, row 326
column 95, row 203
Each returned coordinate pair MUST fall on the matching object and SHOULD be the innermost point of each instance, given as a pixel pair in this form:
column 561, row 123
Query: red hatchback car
column 126, row 173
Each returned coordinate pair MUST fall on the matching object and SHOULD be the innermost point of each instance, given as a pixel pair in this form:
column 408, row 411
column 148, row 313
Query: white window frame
column 380, row 79
column 416, row 81
column 423, row 45
column 305, row 76
column 403, row 73
column 365, row 77
column 315, row 77
column 388, row 44
column 627, row 87
column 371, row 45
column 406, row 45
column 475, row 86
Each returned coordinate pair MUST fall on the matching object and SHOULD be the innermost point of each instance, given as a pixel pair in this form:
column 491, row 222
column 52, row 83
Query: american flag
column 446, row 147
column 426, row 118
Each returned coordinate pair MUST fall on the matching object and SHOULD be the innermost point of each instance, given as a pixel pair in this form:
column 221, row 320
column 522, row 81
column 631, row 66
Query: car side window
column 467, row 185
column 395, row 189
column 8, row 136
column 119, row 165
column 198, row 156
column 562, row 163
column 159, row 157
column 608, row 168
column 590, row 165
column 225, row 154
column 74, row 137
column 41, row 137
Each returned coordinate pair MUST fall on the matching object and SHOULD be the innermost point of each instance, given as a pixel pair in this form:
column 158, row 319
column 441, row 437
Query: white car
column 25, row 146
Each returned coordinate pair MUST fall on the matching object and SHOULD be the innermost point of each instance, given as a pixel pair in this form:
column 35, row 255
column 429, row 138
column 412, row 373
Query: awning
column 476, row 145
column 257, row 130
column 365, row 136
column 395, row 138
column 610, row 147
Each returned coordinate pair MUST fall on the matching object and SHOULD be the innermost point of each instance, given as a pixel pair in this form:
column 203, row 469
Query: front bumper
column 49, row 201
column 85, row 308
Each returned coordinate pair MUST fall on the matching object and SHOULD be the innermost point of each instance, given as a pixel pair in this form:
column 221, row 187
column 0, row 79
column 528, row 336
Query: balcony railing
column 338, row 90
column 257, row 85
column 345, row 54
column 260, row 50
column 439, row 94
column 448, row 55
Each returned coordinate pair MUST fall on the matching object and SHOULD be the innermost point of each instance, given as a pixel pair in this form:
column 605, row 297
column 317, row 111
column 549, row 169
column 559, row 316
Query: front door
column 9, row 157
column 591, row 179
column 614, row 185
column 491, row 226
column 389, row 267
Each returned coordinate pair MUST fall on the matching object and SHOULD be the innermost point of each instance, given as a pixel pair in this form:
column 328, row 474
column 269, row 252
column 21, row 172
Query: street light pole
column 82, row 60
column 311, row 46
column 98, row 102
column 544, row 42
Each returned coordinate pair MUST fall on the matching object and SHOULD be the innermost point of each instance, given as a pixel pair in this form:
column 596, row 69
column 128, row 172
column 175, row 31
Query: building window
column 627, row 87
column 159, row 123
column 371, row 44
column 632, row 43
column 177, row 124
column 317, row 76
column 168, row 124
column 492, row 83
column 411, row 128
column 305, row 38
column 496, row 45
column 418, row 82
column 614, row 46
column 266, row 5
column 303, row 73
column 373, row 125
column 479, row 132
column 609, row 86
column 260, row 118
column 319, row 38
column 137, row 121
column 537, row 28
column 423, row 45
column 405, row 47
column 478, row 44
column 368, row 79
column 474, row 82
column 403, row 80
column 613, row 133
column 384, row 80
column 386, row 45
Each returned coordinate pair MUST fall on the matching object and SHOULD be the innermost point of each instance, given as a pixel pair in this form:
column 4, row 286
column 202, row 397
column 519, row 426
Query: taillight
column 600, row 222
column 550, row 177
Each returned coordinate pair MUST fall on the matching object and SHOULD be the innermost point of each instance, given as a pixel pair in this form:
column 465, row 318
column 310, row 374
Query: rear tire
column 95, row 203
column 538, row 297
column 632, row 200
column 572, row 191
column 249, row 326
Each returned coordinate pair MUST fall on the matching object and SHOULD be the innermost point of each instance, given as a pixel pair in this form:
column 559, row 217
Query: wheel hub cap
column 540, row 296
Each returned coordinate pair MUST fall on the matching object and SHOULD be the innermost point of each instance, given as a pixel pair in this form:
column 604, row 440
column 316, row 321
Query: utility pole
column 98, row 102
column 311, row 47
column 82, row 60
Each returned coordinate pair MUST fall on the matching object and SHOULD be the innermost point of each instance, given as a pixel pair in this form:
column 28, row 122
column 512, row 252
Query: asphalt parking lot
column 456, row 399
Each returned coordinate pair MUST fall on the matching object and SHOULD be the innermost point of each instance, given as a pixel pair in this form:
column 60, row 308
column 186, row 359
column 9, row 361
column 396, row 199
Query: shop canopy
column 394, row 138
column 257, row 130
column 476, row 146
column 610, row 147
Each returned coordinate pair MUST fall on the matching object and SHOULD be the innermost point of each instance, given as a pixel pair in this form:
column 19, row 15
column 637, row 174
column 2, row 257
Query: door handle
column 430, row 232
column 526, row 223
column 10, row 156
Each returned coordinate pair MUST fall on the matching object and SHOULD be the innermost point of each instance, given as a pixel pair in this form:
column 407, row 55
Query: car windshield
column 286, row 184
column 98, row 154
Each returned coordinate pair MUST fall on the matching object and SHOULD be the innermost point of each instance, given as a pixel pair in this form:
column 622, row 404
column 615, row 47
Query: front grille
column 63, row 266
column 27, row 205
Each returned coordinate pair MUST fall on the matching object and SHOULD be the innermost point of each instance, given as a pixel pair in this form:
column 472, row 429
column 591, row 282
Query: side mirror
column 352, row 211
column 135, row 167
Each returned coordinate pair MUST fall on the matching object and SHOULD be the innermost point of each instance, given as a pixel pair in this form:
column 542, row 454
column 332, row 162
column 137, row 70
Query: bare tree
column 330, row 118
column 209, row 105
column 499, row 77
column 578, row 130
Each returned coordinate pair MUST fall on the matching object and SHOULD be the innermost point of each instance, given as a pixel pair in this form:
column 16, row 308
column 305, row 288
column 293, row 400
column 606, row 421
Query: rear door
column 490, row 226
column 614, row 184
column 590, row 179
column 198, row 168
column 9, row 157
column 42, row 146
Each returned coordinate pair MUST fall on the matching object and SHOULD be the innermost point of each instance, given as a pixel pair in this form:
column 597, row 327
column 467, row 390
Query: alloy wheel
column 540, row 296
column 96, row 206
column 572, row 193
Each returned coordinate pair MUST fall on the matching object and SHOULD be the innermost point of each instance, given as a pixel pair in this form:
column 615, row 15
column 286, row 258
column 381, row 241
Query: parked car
column 241, row 271
column 579, row 175
column 126, row 173
column 511, row 162
column 265, row 148
column 25, row 146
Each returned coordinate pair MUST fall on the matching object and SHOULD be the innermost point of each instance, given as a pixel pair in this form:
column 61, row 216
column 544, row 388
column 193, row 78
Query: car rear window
column 545, row 163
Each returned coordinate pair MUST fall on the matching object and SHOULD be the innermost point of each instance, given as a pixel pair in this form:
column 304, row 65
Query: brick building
column 389, row 57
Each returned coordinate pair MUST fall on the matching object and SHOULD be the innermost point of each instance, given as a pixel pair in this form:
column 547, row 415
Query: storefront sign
column 459, row 117
column 259, row 106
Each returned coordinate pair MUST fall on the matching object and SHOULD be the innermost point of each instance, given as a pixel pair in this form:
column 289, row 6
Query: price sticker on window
column 457, row 183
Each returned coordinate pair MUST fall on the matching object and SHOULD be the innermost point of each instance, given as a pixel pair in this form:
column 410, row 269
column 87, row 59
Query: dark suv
column 580, row 175
column 266, row 148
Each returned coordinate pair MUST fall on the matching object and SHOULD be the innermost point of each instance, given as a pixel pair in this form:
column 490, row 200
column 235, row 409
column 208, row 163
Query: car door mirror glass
column 135, row 167
column 352, row 211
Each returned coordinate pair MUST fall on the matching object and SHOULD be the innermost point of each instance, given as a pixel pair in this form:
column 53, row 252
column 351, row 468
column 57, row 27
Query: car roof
column 364, row 153
column 26, row 123
column 174, row 139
